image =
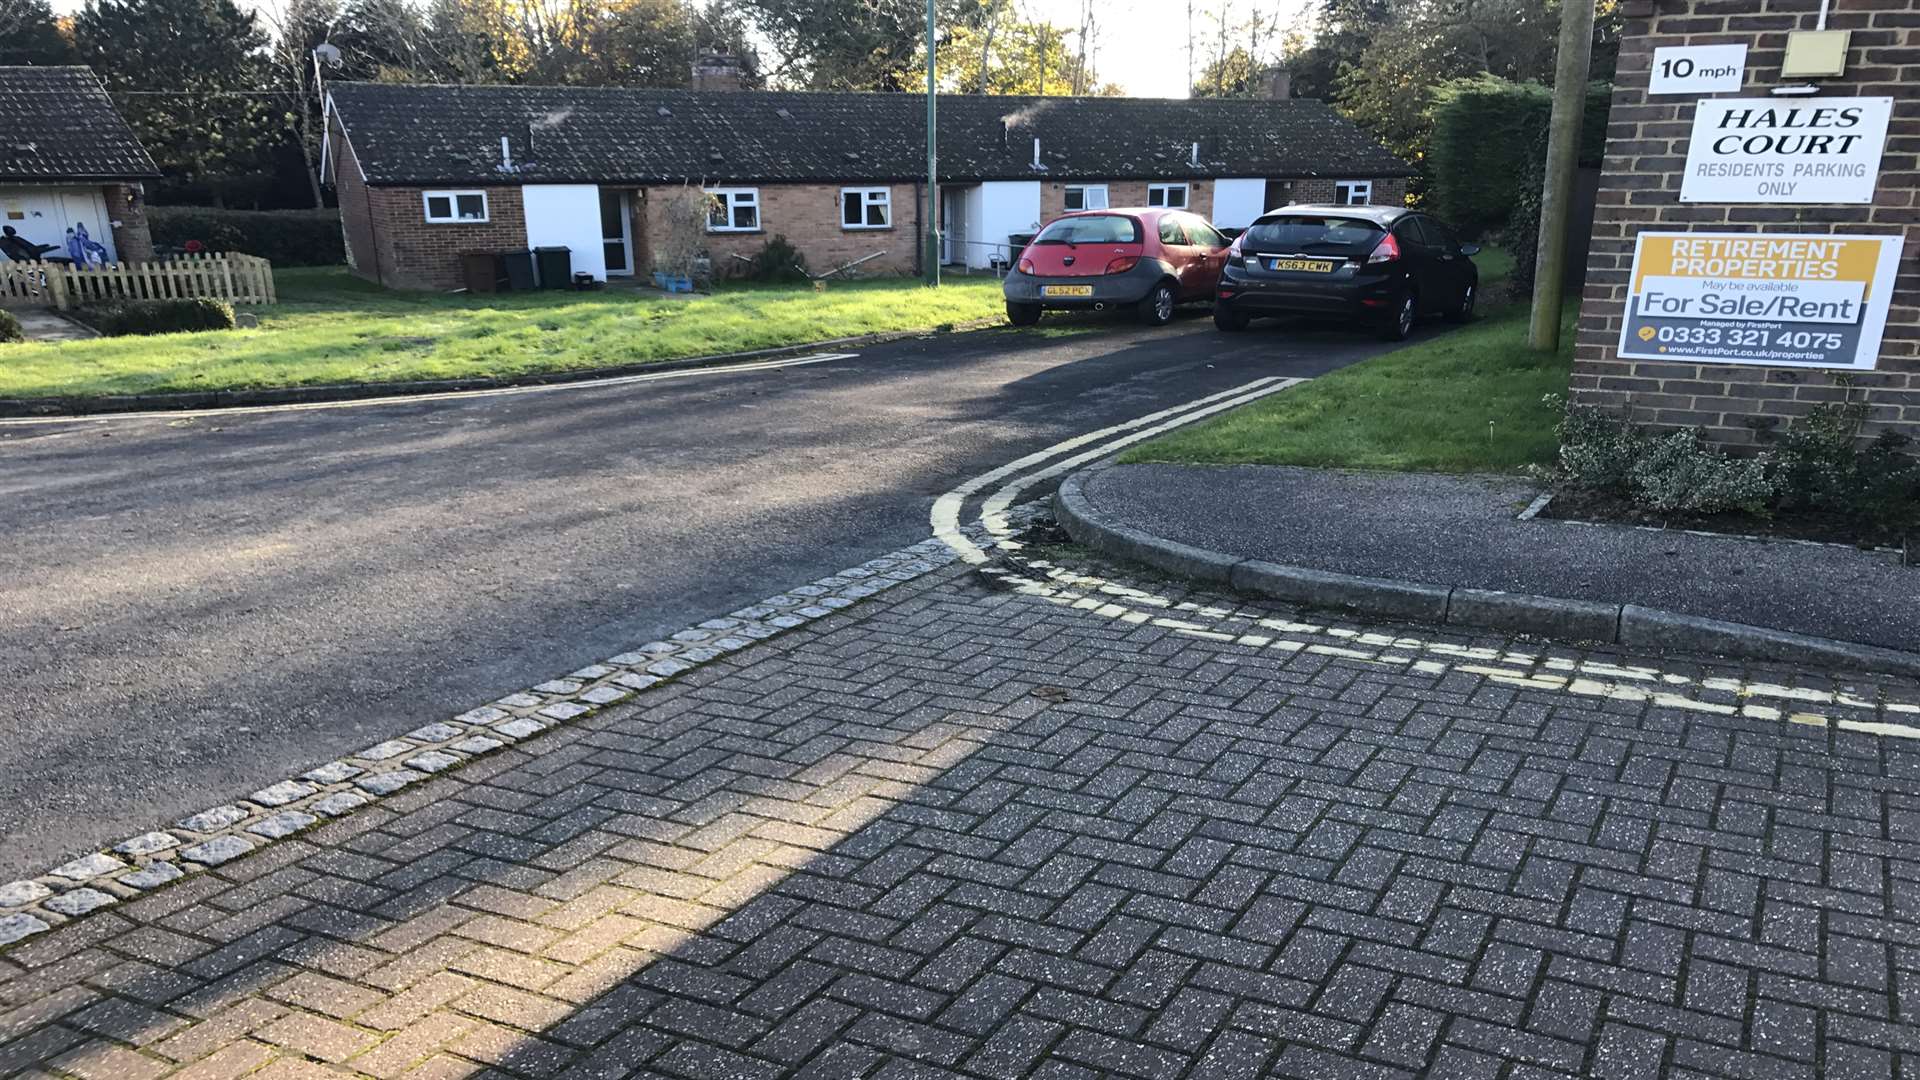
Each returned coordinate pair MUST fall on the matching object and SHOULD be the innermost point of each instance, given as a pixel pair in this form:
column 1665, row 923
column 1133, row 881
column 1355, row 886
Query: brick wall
column 356, row 217
column 1640, row 189
column 127, row 211
column 808, row 215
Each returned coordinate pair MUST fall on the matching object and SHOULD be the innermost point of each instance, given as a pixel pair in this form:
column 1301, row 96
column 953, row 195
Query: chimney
column 718, row 71
column 1279, row 83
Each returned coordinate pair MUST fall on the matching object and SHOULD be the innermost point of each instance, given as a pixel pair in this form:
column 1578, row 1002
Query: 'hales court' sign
column 1753, row 298
column 1767, row 150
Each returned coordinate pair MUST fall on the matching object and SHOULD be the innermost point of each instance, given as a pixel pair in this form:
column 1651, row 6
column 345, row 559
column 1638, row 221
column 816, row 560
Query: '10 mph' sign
column 1745, row 298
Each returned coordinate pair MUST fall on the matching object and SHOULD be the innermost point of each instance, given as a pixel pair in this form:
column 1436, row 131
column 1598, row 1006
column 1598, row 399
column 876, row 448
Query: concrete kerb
column 204, row 400
column 1545, row 616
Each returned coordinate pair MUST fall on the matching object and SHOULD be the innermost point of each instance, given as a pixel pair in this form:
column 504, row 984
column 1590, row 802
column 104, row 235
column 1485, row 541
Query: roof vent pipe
column 506, row 155
column 1195, row 159
column 1036, row 151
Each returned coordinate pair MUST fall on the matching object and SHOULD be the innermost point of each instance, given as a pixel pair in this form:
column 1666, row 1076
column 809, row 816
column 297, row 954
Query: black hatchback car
column 1386, row 265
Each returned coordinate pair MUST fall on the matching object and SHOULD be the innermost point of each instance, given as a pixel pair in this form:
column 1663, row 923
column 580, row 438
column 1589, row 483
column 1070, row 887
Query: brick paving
column 967, row 832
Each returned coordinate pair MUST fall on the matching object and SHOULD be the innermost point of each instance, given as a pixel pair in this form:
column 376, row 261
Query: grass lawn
column 1468, row 401
column 330, row 327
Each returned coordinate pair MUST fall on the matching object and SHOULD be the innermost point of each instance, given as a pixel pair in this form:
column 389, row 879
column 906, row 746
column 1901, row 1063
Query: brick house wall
column 389, row 239
column 808, row 215
column 1389, row 191
column 1640, row 189
column 127, row 214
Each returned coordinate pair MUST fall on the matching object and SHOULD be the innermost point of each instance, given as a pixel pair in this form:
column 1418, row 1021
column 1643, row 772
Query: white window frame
column 732, row 198
column 870, row 197
column 1345, row 190
column 1164, row 190
column 1086, row 192
column 453, row 205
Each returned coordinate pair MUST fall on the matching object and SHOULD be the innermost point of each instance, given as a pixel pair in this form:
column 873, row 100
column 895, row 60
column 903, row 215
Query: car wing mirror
column 1469, row 250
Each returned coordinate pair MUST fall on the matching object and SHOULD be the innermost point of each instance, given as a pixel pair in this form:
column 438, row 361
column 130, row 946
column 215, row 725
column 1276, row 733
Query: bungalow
column 70, row 167
column 427, row 172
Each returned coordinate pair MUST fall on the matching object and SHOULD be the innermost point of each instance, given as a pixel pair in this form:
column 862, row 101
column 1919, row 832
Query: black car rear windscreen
column 1312, row 234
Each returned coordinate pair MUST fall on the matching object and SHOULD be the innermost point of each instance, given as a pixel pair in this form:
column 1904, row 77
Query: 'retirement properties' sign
column 1746, row 298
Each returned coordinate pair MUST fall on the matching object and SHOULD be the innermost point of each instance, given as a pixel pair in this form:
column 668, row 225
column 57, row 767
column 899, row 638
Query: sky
column 1140, row 45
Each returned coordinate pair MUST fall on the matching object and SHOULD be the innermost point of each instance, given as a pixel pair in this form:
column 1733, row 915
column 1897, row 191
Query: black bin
column 519, row 269
column 556, row 266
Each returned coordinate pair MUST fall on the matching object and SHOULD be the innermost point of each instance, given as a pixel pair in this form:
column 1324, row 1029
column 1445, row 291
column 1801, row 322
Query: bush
column 1487, row 136
column 282, row 237
column 157, row 316
column 10, row 328
column 1821, row 467
column 1675, row 474
column 778, row 260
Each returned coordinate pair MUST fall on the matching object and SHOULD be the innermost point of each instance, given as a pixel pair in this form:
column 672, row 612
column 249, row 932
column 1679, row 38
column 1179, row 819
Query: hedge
column 10, row 328
column 121, row 318
column 282, row 237
column 1487, row 134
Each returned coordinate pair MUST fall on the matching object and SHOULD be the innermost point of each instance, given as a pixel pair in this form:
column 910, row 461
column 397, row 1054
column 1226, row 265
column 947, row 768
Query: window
column 1174, row 195
column 452, row 206
column 734, row 210
column 1204, row 235
column 1172, row 232
column 1086, row 197
column 1353, row 192
column 866, row 208
column 1092, row 229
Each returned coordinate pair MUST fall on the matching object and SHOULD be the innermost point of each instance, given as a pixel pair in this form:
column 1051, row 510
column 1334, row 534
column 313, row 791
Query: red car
column 1146, row 258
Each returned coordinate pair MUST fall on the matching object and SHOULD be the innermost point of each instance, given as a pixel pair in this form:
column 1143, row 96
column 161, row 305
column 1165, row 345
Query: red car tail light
column 1123, row 264
column 1387, row 251
column 1026, row 266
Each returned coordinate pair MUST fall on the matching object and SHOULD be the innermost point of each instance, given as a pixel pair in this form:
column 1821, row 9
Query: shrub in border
column 129, row 317
column 10, row 328
column 282, row 237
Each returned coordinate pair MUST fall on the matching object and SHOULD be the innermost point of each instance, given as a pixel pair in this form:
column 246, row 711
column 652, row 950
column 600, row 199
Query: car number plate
column 1066, row 290
column 1311, row 266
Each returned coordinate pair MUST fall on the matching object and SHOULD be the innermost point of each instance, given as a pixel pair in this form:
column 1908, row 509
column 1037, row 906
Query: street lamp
column 933, row 166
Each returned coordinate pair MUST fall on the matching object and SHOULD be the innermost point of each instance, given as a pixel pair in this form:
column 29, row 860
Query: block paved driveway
column 963, row 831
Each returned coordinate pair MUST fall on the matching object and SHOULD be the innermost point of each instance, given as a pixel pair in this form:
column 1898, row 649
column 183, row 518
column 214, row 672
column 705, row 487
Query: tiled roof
column 57, row 123
column 428, row 134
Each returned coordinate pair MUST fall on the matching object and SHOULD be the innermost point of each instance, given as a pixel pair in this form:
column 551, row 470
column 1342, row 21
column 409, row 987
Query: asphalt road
column 193, row 608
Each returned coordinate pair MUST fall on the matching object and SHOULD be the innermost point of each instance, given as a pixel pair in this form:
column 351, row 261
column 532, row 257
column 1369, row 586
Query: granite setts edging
column 220, row 834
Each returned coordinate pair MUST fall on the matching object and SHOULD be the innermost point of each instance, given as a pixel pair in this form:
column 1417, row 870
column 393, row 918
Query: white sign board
column 1769, row 150
column 1784, row 300
column 1698, row 69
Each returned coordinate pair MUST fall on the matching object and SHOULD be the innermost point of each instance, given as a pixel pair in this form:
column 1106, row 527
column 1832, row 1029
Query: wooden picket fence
column 235, row 278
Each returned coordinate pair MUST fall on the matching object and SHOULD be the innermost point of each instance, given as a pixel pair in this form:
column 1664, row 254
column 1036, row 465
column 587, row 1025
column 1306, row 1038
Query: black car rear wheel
column 1228, row 318
column 1399, row 325
column 1023, row 314
column 1157, row 308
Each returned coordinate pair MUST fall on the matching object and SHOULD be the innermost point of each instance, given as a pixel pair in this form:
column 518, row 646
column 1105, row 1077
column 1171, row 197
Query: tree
column 191, row 77
column 853, row 44
column 299, row 27
column 29, row 34
column 1236, row 75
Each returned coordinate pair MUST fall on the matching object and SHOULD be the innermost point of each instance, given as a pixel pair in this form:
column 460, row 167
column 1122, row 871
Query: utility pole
column 1563, row 150
column 933, row 163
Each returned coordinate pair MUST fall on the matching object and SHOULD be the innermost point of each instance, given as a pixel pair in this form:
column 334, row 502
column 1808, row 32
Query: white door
column 953, row 218
column 86, row 216
column 616, row 231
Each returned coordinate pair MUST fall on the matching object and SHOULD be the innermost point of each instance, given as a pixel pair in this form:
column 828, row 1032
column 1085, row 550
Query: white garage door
column 43, row 216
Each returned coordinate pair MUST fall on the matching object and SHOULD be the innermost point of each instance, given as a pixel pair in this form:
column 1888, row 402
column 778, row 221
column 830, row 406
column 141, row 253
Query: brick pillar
column 127, row 213
column 1640, row 181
